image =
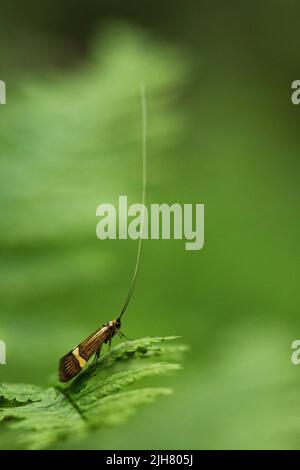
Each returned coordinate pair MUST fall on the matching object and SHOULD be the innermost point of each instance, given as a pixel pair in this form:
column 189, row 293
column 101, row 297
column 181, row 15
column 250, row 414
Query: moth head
column 118, row 323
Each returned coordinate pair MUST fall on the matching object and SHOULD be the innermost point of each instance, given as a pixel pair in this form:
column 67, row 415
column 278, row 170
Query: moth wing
column 71, row 364
column 90, row 345
column 68, row 367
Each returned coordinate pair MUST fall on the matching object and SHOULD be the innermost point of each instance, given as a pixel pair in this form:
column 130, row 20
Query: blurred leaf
column 93, row 400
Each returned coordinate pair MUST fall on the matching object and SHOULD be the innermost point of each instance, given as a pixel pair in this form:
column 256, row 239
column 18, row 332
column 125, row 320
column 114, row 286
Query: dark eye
column 118, row 324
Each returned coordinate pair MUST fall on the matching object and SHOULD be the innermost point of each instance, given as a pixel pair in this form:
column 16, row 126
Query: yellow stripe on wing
column 81, row 360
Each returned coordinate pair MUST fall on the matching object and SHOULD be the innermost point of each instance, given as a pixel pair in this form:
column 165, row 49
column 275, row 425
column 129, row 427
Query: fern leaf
column 96, row 398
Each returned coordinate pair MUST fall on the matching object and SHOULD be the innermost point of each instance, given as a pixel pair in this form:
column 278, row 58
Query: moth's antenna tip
column 144, row 139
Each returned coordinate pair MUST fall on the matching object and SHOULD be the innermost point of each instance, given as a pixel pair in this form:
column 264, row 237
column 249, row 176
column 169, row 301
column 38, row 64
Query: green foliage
column 221, row 132
column 96, row 398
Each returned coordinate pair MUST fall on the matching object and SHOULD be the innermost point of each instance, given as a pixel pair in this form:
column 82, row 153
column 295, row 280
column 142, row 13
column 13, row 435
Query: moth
column 75, row 360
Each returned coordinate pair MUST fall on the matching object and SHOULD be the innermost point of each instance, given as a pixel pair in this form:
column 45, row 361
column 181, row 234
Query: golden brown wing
column 92, row 343
column 72, row 363
column 69, row 367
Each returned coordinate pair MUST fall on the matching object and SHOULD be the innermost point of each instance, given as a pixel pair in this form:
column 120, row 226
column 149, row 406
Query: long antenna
column 144, row 156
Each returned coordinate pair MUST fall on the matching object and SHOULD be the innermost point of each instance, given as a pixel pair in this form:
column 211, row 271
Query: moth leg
column 124, row 336
column 108, row 352
column 96, row 357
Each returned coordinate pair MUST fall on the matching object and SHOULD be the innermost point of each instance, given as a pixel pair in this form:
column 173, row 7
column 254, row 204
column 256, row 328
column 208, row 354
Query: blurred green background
column 223, row 132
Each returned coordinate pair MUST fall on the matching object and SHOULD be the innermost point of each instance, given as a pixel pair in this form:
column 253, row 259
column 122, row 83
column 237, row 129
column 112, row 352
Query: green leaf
column 95, row 399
